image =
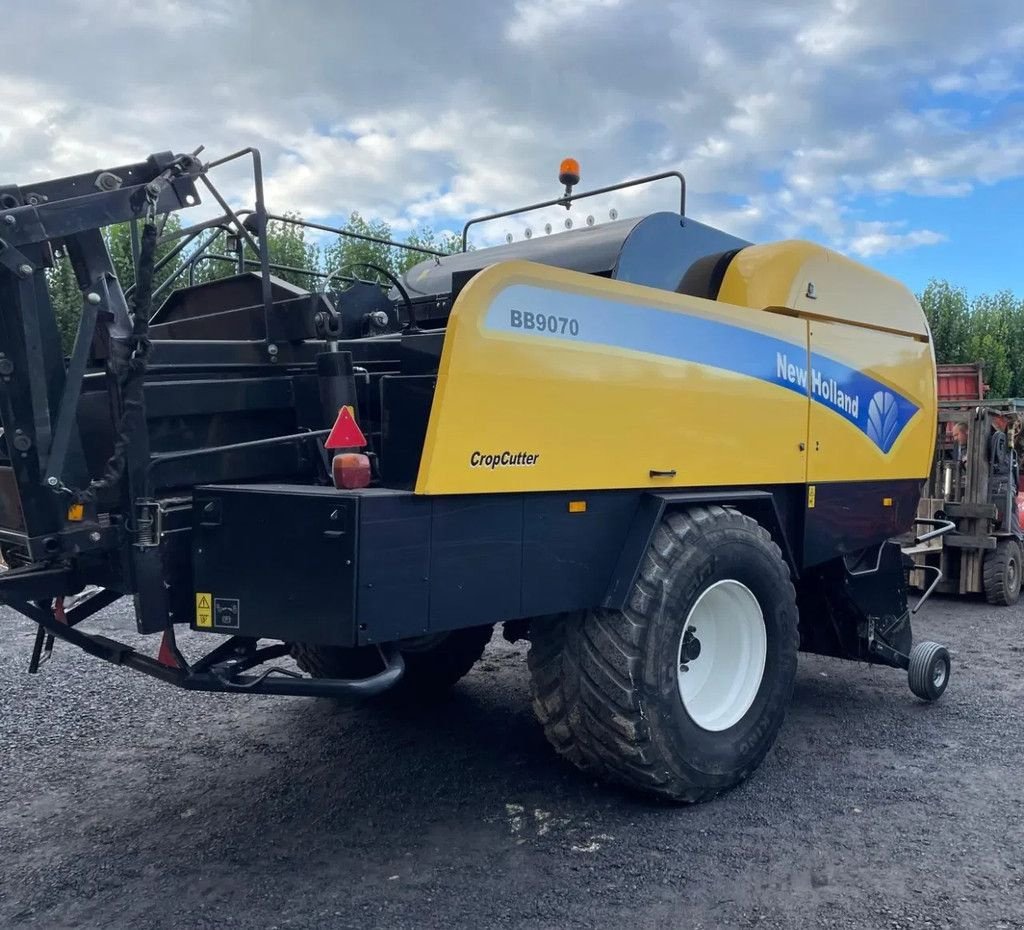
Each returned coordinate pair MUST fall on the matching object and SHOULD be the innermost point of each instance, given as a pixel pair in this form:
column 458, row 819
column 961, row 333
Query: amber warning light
column 569, row 173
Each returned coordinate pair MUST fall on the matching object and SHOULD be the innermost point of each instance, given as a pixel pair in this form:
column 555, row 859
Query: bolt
column 93, row 297
column 691, row 629
column 6, row 367
column 10, row 220
column 272, row 349
column 95, row 536
column 379, row 318
column 684, row 667
column 22, row 443
column 52, row 481
column 25, row 270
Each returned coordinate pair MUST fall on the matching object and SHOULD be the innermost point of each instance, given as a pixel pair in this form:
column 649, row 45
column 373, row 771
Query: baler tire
column 430, row 670
column 617, row 710
column 1002, row 573
column 555, row 684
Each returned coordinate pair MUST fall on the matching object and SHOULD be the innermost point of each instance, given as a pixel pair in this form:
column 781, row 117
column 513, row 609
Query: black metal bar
column 120, row 654
column 230, row 647
column 43, row 641
column 213, row 256
column 92, row 605
column 564, row 201
column 97, row 646
column 33, row 379
column 162, row 457
column 67, row 414
column 61, row 218
column 261, row 225
column 133, row 228
column 242, row 231
column 169, row 257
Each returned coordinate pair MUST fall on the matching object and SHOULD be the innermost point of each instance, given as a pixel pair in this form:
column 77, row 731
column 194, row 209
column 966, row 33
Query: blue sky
column 890, row 131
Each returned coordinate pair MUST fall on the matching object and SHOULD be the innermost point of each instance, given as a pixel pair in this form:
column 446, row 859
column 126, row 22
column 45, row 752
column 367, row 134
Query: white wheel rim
column 718, row 685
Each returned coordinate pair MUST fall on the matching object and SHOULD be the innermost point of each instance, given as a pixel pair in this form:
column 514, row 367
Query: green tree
column 66, row 299
column 286, row 245
column 948, row 311
column 346, row 255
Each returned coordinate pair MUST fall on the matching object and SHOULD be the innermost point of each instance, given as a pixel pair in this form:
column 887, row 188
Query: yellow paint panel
column 780, row 274
column 838, row 449
column 552, row 380
column 586, row 415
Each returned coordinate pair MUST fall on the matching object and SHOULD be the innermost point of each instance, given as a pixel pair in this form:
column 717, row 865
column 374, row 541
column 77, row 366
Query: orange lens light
column 569, row 171
column 351, row 470
column 577, row 506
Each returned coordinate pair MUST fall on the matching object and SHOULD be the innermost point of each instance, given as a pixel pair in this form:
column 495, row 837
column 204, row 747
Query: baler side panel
column 870, row 385
column 621, row 386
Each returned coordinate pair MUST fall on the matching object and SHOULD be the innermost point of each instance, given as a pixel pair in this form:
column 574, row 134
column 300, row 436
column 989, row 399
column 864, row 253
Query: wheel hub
column 690, row 648
column 719, row 674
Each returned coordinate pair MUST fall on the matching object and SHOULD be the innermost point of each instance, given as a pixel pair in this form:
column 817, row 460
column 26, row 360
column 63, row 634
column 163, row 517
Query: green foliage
column 346, row 254
column 65, row 293
column 288, row 245
column 988, row 329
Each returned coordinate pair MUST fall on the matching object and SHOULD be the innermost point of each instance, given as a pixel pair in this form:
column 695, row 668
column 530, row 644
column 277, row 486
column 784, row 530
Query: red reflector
column 351, row 470
column 346, row 433
column 166, row 655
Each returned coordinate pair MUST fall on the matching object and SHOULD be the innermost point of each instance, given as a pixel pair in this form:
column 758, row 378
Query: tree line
column 988, row 328
column 304, row 262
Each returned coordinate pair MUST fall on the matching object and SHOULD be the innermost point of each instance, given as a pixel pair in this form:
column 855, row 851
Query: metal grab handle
column 930, row 588
column 943, row 527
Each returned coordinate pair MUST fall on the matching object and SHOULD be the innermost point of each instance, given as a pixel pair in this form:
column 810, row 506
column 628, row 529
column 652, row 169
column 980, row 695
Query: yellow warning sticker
column 810, row 497
column 204, row 609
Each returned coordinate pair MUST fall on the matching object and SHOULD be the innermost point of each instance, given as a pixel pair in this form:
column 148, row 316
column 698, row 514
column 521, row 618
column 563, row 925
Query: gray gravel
column 128, row 804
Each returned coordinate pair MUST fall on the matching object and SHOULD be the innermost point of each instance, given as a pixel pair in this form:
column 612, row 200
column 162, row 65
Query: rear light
column 351, row 470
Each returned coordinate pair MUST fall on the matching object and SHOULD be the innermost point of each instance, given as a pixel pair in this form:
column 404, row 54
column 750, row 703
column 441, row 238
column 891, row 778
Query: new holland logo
column 883, row 419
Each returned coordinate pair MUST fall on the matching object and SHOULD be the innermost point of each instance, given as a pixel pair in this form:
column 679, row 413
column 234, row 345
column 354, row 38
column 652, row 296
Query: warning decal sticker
column 204, row 609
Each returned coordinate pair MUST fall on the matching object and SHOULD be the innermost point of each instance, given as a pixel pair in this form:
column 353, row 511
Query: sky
column 892, row 130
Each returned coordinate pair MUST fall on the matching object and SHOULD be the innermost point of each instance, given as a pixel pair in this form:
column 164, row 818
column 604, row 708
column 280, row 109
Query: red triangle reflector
column 346, row 433
column 166, row 655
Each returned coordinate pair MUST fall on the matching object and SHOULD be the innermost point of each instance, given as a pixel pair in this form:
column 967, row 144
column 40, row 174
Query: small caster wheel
column 929, row 670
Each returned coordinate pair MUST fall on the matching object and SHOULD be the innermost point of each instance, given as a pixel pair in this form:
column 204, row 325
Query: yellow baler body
column 807, row 368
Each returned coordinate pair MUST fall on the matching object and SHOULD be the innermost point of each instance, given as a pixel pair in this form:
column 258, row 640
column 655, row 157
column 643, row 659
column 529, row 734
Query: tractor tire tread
column 599, row 714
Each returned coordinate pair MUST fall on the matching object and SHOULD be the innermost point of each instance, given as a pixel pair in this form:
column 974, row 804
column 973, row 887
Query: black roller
column 656, row 250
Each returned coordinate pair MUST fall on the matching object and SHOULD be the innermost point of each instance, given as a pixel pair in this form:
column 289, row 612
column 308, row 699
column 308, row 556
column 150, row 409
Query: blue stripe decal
column 874, row 408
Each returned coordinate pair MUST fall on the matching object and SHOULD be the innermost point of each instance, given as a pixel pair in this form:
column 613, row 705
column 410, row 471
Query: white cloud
column 876, row 238
column 786, row 120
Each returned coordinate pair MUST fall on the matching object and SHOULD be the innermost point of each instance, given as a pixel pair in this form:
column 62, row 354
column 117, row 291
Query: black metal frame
column 220, row 670
column 568, row 199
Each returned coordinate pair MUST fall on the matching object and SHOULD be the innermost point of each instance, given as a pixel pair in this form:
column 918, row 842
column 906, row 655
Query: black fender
column 769, row 508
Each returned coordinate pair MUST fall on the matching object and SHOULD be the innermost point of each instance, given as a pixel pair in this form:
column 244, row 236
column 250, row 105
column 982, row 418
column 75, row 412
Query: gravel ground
column 128, row 804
